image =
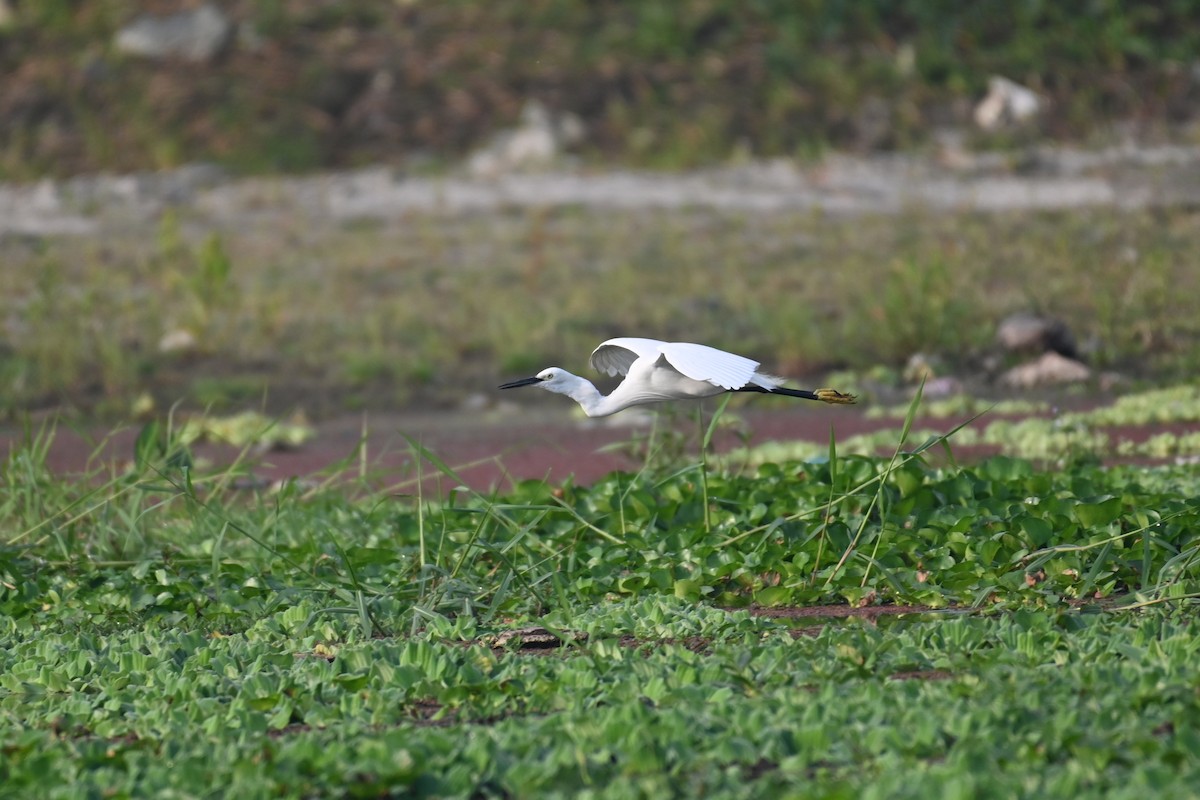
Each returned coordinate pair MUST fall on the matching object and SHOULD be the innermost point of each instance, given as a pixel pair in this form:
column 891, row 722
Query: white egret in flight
column 656, row 371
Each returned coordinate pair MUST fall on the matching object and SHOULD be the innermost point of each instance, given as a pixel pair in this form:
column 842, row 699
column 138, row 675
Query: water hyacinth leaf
column 1039, row 530
column 1098, row 514
column 773, row 596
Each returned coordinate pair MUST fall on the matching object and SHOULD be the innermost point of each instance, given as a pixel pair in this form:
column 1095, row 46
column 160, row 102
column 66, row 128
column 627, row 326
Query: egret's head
column 552, row 379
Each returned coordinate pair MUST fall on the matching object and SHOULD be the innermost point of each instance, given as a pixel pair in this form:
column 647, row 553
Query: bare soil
column 492, row 450
column 487, row 450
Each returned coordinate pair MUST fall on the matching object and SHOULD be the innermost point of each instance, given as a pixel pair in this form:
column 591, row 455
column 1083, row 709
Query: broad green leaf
column 1098, row 514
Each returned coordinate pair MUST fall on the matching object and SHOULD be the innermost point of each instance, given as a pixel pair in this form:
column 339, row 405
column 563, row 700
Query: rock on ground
column 194, row 35
column 1007, row 103
column 1030, row 333
column 538, row 140
column 1048, row 370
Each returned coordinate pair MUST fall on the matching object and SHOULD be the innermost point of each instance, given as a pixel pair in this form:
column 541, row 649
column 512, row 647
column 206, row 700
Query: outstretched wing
column 703, row 363
column 615, row 356
column 697, row 361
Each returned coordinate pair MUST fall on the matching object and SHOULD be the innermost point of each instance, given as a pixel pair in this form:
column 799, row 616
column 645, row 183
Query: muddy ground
column 497, row 448
column 487, row 450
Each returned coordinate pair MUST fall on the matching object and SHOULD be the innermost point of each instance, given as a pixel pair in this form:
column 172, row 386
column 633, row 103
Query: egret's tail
column 824, row 395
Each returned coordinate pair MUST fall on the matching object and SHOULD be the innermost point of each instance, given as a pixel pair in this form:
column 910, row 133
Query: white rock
column 1030, row 333
column 1047, row 370
column 1006, row 103
column 177, row 341
column 537, row 141
column 194, row 35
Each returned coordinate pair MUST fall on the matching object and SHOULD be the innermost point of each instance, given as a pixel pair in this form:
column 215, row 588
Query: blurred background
column 338, row 206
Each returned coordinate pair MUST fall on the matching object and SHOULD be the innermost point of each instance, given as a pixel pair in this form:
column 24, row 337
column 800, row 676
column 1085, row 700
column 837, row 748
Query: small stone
column 1048, row 370
column 537, row 141
column 194, row 35
column 178, row 341
column 1030, row 333
column 1007, row 103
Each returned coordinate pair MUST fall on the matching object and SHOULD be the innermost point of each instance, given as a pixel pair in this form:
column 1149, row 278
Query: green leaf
column 1096, row 515
column 773, row 596
column 1039, row 531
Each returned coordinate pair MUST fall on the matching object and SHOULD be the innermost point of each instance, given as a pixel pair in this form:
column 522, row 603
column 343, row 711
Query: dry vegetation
column 431, row 309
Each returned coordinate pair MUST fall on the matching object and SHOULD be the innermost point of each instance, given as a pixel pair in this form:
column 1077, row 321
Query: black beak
column 522, row 382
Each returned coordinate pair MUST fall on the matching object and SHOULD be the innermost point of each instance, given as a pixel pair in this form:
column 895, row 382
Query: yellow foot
column 834, row 396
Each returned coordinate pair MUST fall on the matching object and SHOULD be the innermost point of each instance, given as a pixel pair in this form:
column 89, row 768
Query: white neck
column 582, row 391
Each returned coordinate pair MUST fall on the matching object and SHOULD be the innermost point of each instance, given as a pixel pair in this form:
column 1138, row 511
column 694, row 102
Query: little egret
column 656, row 371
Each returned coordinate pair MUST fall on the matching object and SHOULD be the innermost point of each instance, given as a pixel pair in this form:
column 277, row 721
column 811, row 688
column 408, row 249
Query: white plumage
column 656, row 371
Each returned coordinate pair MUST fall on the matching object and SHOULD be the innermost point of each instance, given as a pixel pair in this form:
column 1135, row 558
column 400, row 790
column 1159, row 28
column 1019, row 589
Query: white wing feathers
column 615, row 356
column 703, row 363
column 696, row 361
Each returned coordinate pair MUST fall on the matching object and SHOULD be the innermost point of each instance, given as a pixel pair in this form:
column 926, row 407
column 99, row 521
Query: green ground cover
column 166, row 634
column 1032, row 429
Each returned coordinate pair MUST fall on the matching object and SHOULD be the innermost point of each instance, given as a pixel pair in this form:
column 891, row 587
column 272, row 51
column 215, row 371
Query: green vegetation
column 1043, row 440
column 425, row 309
column 1038, row 433
column 311, row 85
column 720, row 627
column 165, row 632
column 245, row 429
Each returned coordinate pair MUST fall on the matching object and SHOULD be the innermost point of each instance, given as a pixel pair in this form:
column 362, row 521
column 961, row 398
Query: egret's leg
column 703, row 439
column 834, row 396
